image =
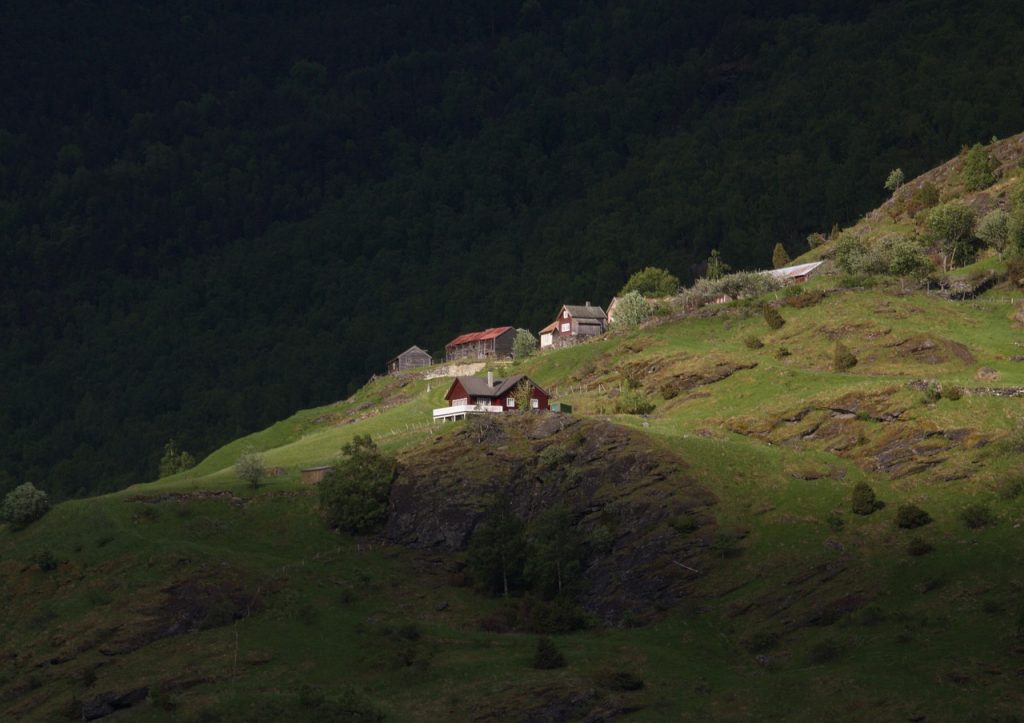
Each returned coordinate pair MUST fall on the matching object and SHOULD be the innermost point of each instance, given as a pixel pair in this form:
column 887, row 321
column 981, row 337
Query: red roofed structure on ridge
column 493, row 343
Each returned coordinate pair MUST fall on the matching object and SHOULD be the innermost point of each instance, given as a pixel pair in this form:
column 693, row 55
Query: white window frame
column 460, row 401
column 510, row 402
column 534, row 403
column 566, row 327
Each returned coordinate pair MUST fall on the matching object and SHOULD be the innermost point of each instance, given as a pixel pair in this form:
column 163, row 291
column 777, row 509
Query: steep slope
column 734, row 578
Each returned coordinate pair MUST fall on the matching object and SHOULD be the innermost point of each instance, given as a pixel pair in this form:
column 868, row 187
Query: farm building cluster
column 572, row 324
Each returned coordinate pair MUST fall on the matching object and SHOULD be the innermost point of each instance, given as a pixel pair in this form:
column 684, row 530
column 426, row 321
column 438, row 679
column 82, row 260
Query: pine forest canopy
column 214, row 214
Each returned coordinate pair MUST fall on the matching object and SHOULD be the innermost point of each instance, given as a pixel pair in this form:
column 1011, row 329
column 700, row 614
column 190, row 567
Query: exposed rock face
column 105, row 704
column 933, row 350
column 617, row 487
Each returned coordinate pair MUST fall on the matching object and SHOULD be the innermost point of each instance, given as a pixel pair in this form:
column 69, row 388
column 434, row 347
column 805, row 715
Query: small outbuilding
column 795, row 274
column 411, row 358
column 313, row 475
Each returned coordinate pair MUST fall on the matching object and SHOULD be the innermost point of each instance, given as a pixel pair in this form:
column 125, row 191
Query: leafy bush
column 815, row 239
column 24, row 505
column 930, row 395
column 801, row 299
column 1010, row 489
column 651, row 282
column 825, row 652
column 925, row 197
column 993, row 229
column 842, row 358
column 632, row 310
column 524, row 344
column 547, row 656
column 621, row 680
column 741, row 285
column 850, row 253
column 780, row 257
column 952, row 392
column 250, row 468
column 772, row 317
column 977, row 516
column 918, row 546
column 752, row 342
column 45, row 560
column 633, row 401
column 911, row 516
column 903, row 257
column 354, row 493
column 683, row 523
column 863, row 500
column 979, row 169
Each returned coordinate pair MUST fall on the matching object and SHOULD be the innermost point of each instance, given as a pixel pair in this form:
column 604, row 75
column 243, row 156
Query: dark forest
column 213, row 214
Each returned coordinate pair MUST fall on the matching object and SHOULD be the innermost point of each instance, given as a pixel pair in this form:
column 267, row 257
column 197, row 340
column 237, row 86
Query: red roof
column 479, row 336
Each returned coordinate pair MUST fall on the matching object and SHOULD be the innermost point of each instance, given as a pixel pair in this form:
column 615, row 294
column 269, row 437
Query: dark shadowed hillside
column 213, row 215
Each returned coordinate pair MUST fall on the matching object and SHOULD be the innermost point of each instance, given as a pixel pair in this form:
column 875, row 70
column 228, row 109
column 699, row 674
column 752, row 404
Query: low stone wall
column 454, row 370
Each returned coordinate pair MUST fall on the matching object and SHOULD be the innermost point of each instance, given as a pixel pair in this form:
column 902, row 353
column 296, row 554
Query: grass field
column 814, row 612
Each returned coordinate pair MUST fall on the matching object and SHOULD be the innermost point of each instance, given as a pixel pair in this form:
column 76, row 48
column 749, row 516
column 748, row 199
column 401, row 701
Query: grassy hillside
column 233, row 604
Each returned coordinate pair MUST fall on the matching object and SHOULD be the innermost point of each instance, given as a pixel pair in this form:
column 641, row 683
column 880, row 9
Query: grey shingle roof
column 586, row 312
column 477, row 386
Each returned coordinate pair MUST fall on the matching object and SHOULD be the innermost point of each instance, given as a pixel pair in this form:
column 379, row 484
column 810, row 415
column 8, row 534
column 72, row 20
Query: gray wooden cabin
column 411, row 358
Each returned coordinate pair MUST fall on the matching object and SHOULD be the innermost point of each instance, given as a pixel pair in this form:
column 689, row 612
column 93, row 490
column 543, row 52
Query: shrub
column 842, row 358
column 621, row 680
column 354, row 493
column 772, row 317
column 925, row 197
column 816, row 239
column 633, row 401
column 524, row 344
column 918, row 546
column 800, row 299
column 851, row 253
column 555, row 552
column 24, row 505
column 45, row 560
column 782, row 352
column 760, row 642
column 632, row 310
column 651, row 282
column 930, row 395
column 780, row 257
column 752, row 342
column 825, row 652
column 911, row 516
column 547, row 656
column 979, row 169
column 1010, row 489
column 993, row 229
column 741, row 285
column 863, row 500
column 894, row 180
column 952, row 392
column 835, row 521
column 977, row 516
column 1015, row 271
column 903, row 257
column 683, row 524
column 250, row 468
column 547, row 617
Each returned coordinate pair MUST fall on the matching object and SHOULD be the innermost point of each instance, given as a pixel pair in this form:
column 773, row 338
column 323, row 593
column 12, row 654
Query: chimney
column 490, row 379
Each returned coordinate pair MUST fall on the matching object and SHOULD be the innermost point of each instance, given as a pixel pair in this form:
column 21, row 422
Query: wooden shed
column 411, row 358
column 493, row 343
column 313, row 475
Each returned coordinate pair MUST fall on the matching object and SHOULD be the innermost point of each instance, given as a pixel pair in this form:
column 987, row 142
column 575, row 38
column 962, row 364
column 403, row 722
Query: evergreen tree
column 779, row 256
column 716, row 268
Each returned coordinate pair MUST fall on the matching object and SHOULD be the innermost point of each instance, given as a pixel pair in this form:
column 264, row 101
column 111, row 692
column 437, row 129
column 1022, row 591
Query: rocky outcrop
column 620, row 491
column 108, row 703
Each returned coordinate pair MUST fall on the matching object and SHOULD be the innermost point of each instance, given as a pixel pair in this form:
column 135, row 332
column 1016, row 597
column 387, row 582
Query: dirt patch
column 932, row 350
column 186, row 607
column 683, row 382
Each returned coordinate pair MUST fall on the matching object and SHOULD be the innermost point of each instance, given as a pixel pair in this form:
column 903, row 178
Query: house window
column 566, row 327
column 460, row 401
column 565, row 314
column 510, row 402
column 535, row 403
